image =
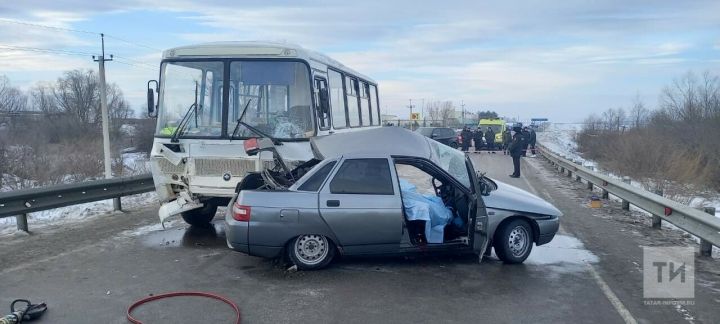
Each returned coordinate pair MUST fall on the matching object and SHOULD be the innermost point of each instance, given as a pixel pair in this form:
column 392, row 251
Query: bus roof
column 257, row 49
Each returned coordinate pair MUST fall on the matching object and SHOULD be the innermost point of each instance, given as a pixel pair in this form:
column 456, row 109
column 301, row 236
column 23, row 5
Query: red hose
column 182, row 293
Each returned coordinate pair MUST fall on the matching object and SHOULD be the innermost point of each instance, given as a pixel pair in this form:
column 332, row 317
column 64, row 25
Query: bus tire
column 200, row 217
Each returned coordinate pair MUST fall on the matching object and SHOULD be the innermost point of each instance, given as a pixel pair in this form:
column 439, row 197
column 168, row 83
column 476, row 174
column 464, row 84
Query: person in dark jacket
column 533, row 140
column 477, row 138
column 507, row 138
column 466, row 136
column 490, row 139
column 525, row 137
column 515, row 149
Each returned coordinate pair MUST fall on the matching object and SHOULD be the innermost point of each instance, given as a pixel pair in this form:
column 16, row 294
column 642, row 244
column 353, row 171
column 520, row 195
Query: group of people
column 515, row 143
column 476, row 137
column 522, row 138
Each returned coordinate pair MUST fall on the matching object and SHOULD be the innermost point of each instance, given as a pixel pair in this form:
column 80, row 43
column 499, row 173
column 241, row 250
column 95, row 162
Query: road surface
column 590, row 273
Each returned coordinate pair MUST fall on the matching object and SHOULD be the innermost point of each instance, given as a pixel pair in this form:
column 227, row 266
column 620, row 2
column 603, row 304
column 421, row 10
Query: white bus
column 283, row 91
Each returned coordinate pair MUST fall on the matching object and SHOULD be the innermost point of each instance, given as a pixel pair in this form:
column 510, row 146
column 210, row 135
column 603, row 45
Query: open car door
column 479, row 225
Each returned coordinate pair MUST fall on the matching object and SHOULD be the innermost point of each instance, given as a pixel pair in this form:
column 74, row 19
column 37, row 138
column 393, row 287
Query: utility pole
column 105, row 118
column 423, row 111
column 462, row 105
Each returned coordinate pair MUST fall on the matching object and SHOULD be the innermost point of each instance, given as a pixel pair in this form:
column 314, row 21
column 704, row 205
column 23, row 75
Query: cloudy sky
column 561, row 59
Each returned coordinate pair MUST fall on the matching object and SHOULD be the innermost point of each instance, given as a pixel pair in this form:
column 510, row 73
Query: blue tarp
column 429, row 208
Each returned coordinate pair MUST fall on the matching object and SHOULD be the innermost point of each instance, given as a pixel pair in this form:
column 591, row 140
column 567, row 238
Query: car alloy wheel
column 311, row 249
column 518, row 241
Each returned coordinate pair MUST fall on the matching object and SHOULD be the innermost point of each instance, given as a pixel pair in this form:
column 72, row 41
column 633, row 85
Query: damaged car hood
column 509, row 197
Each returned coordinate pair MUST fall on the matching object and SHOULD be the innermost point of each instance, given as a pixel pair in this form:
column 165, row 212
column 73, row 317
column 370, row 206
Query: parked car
column 350, row 200
column 443, row 135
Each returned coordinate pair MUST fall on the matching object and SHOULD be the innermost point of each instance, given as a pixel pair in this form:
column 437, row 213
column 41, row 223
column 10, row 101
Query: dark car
column 444, row 135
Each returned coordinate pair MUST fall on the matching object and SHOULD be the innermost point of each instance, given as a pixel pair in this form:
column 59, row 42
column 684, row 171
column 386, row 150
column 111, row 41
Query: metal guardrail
column 694, row 221
column 21, row 202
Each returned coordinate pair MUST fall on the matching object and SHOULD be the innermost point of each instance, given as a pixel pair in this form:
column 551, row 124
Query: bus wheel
column 201, row 216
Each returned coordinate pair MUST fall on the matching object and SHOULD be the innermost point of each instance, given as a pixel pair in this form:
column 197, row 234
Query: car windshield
column 278, row 94
column 452, row 161
column 182, row 85
column 425, row 131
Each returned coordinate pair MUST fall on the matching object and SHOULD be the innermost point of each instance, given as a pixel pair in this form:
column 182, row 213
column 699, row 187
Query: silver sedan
column 363, row 194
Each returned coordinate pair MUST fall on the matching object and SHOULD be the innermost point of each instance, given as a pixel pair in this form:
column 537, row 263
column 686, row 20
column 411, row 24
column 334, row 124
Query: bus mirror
column 151, row 99
column 324, row 101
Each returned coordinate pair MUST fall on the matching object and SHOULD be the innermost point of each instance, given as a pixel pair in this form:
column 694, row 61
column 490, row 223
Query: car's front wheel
column 513, row 242
column 201, row 216
column 311, row 251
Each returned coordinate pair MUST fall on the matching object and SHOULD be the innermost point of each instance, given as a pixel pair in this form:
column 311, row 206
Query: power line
column 10, row 21
column 45, row 50
column 132, row 43
column 136, row 61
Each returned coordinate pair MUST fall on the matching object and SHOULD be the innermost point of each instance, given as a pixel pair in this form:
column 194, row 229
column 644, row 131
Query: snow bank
column 76, row 213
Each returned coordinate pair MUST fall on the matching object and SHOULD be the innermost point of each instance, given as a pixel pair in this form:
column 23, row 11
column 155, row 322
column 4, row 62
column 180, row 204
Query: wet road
column 91, row 272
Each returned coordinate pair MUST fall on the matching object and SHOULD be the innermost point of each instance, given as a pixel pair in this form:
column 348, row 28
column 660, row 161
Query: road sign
column 415, row 116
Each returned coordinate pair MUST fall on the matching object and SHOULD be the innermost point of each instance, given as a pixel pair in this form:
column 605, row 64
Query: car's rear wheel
column 513, row 242
column 200, row 217
column 454, row 145
column 311, row 251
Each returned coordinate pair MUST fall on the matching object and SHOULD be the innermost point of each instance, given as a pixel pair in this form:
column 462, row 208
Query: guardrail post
column 117, row 204
column 590, row 184
column 625, row 203
column 562, row 169
column 656, row 220
column 605, row 194
column 705, row 246
column 22, row 224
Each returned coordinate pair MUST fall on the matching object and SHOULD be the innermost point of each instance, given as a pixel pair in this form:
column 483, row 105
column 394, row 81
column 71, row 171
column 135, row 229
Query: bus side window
column 323, row 113
column 337, row 100
column 374, row 104
column 365, row 111
column 351, row 94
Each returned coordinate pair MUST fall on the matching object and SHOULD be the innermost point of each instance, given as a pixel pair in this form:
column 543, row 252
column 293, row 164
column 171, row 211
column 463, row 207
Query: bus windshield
column 182, row 85
column 277, row 95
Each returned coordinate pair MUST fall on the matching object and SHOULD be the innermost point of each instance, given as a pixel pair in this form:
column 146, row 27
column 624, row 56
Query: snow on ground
column 76, row 213
column 136, row 163
column 560, row 138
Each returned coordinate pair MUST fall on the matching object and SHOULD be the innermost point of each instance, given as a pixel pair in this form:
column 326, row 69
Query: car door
column 439, row 136
column 479, row 224
column 361, row 204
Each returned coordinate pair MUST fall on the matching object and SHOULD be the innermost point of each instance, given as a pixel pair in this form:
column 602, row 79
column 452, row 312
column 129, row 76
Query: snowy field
column 560, row 138
column 135, row 163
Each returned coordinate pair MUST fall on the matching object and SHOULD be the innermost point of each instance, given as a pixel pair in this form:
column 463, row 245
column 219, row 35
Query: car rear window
column 363, row 176
column 425, row 131
column 317, row 179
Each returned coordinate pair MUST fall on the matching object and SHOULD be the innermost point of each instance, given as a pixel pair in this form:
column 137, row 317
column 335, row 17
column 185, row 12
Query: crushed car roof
column 381, row 141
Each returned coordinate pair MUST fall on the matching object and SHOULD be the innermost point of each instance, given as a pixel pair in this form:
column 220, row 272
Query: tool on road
column 28, row 313
column 178, row 294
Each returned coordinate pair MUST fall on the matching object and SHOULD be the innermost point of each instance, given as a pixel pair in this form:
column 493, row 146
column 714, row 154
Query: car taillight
column 251, row 146
column 241, row 213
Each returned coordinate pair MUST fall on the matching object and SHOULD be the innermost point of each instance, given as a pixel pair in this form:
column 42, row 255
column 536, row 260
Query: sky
column 561, row 60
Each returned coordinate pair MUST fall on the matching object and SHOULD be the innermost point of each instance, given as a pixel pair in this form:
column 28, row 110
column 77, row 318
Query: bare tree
column 12, row 99
column 638, row 113
column 77, row 96
column 447, row 112
column 681, row 99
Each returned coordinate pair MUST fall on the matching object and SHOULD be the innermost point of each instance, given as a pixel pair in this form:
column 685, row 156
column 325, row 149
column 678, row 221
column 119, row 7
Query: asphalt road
column 92, row 271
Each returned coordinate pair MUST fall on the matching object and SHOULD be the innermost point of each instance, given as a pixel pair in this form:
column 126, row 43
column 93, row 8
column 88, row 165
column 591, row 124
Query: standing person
column 477, row 137
column 490, row 139
column 525, row 137
column 515, row 150
column 533, row 140
column 466, row 136
column 507, row 138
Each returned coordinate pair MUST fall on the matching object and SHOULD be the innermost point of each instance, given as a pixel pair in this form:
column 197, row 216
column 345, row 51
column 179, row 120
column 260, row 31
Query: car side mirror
column 324, row 101
column 152, row 109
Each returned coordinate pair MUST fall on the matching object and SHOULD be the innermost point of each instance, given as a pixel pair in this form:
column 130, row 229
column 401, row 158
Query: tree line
column 676, row 142
column 52, row 133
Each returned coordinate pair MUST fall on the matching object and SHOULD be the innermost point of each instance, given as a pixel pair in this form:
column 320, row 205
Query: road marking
column 609, row 294
column 614, row 300
column 43, row 260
